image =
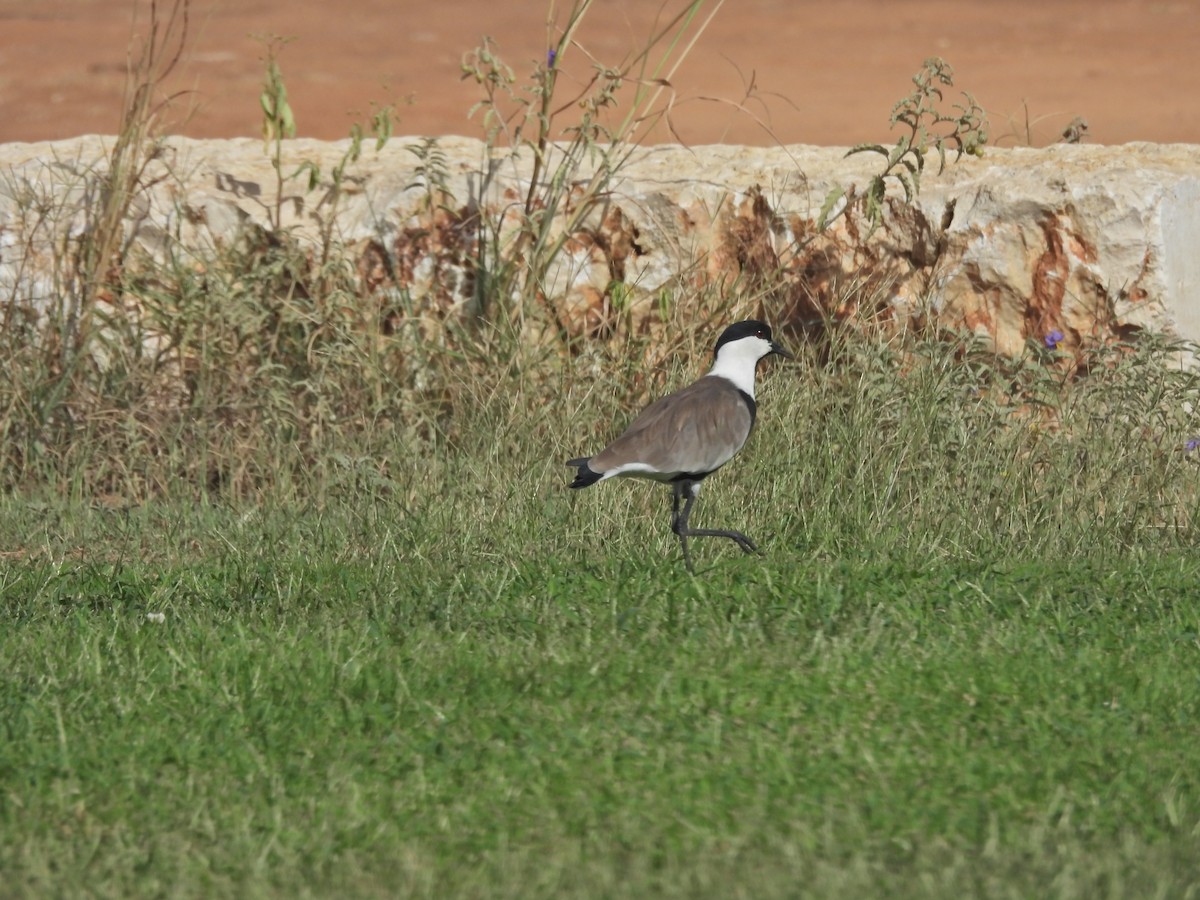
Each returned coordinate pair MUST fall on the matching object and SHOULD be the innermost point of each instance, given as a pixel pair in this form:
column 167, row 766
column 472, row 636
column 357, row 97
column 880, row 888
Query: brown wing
column 695, row 430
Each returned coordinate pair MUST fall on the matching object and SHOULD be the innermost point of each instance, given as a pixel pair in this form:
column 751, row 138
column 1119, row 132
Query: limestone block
column 1096, row 242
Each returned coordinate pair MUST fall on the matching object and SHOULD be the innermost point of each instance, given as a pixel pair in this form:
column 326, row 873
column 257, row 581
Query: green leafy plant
column 380, row 128
column 278, row 122
column 926, row 127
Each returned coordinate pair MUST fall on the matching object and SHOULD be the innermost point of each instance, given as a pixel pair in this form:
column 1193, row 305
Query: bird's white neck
column 736, row 362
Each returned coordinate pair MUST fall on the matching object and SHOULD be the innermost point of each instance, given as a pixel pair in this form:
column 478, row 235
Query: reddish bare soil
column 826, row 72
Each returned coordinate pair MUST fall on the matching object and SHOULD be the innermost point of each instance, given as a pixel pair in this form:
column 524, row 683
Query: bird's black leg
column 679, row 523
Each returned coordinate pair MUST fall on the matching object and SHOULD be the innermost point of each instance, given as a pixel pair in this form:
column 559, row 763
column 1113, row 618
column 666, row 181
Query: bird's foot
column 747, row 545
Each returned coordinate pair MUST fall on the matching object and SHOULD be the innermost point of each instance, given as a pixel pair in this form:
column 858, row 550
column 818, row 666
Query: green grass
column 967, row 663
column 303, row 722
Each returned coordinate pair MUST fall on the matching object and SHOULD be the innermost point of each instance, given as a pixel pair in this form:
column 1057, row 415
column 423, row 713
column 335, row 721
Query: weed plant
column 927, row 127
column 593, row 130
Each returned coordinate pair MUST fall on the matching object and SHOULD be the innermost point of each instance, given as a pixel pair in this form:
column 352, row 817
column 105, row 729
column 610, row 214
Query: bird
column 684, row 437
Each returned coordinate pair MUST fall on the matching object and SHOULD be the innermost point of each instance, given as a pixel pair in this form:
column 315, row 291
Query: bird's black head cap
column 744, row 329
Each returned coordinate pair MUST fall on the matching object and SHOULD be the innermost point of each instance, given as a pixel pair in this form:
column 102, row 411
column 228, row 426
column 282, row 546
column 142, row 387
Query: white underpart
column 641, row 470
column 737, row 360
column 637, row 470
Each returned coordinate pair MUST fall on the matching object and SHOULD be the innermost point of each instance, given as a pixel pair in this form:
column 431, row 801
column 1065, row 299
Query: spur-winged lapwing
column 683, row 438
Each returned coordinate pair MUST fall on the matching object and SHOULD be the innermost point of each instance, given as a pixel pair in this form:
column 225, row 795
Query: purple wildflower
column 1054, row 338
column 551, row 56
column 1191, row 445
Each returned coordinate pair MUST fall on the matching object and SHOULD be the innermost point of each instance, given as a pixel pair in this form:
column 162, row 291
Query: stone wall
column 1093, row 242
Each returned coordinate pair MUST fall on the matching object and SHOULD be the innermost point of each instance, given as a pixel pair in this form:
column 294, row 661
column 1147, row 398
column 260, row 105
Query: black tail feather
column 584, row 474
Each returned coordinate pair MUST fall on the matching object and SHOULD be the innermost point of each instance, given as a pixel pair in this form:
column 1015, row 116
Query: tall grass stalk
column 575, row 148
column 56, row 328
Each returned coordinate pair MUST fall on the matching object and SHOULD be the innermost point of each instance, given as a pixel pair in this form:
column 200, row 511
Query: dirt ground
column 823, row 72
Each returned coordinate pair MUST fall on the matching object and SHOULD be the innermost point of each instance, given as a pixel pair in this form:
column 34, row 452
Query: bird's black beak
column 776, row 349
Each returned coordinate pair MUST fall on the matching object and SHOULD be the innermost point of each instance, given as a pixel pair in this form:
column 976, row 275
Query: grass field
column 966, row 664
